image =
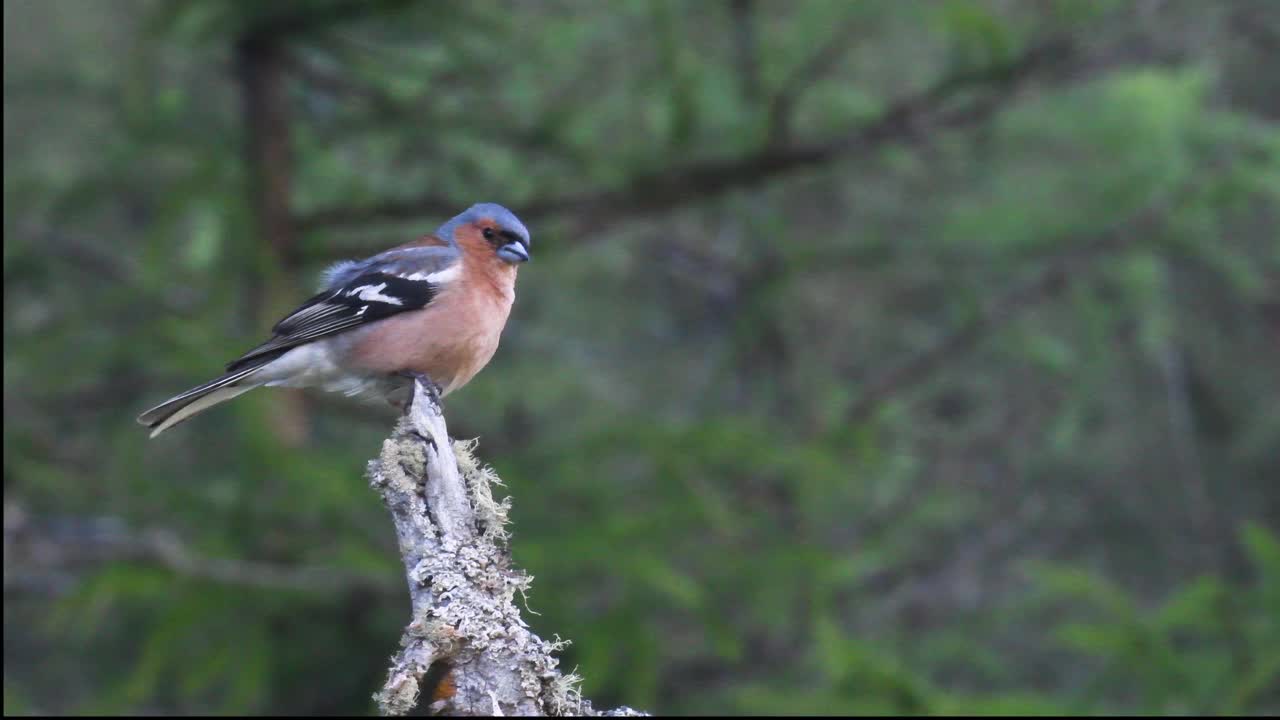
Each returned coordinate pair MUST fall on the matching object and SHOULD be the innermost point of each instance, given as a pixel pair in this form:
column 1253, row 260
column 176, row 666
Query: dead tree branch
column 465, row 627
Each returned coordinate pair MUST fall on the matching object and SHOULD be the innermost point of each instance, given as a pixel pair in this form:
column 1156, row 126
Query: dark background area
column 876, row 357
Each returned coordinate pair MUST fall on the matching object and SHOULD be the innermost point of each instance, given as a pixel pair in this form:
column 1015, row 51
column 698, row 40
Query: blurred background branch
column 50, row 554
column 910, row 117
column 1048, row 281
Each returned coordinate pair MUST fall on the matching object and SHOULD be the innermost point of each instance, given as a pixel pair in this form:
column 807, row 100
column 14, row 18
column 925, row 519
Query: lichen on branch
column 462, row 584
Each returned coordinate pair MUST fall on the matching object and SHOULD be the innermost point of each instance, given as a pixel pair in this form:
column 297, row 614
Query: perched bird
column 432, row 309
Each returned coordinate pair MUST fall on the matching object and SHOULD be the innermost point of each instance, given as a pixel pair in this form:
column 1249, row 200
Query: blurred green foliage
column 1069, row 508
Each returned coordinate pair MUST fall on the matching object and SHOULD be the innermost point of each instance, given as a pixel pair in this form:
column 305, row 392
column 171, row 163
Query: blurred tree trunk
column 269, row 158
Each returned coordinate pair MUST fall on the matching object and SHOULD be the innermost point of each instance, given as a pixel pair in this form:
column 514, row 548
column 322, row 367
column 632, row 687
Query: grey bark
column 462, row 584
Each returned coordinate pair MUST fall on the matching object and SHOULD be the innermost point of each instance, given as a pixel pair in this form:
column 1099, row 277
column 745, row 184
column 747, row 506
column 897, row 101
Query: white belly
column 313, row 366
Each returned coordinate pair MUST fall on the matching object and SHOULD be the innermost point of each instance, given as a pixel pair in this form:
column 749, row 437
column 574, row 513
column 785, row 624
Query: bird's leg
column 433, row 389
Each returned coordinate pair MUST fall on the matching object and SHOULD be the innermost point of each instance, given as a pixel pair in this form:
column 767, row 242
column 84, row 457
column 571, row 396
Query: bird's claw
column 434, row 391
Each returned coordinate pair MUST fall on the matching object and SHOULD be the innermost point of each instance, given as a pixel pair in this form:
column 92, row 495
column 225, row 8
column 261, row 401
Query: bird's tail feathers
column 197, row 400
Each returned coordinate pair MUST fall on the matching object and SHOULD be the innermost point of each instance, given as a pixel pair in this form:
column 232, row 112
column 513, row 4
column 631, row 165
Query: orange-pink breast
column 450, row 340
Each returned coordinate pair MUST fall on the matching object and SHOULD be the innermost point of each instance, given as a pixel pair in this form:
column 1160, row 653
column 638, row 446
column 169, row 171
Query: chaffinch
column 431, row 309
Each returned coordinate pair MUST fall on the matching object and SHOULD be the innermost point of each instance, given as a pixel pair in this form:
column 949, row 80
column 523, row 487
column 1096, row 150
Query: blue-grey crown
column 499, row 214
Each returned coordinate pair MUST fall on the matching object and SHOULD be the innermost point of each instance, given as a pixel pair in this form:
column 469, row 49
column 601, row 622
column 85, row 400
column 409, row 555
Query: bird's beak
column 514, row 252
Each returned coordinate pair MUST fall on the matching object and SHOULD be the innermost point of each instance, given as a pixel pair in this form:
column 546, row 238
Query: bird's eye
column 488, row 233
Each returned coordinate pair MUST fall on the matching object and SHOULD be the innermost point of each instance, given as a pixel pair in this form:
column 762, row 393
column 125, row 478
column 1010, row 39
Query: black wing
column 364, row 299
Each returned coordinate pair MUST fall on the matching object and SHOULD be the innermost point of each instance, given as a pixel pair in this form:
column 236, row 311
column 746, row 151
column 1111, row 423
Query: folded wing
column 359, row 294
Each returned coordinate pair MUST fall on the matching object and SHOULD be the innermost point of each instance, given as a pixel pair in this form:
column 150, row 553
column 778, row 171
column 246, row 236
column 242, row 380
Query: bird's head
column 491, row 228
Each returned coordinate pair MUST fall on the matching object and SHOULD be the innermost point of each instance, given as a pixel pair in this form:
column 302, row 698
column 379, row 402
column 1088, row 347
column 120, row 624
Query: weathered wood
column 462, row 584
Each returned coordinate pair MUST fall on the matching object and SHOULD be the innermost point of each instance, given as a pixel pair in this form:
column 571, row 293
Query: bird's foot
column 434, row 391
